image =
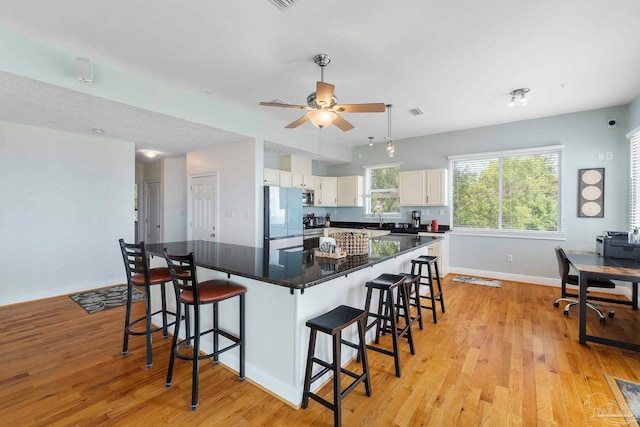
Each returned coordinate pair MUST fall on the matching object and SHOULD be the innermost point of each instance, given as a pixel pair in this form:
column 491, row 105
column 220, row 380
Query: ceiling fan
column 323, row 105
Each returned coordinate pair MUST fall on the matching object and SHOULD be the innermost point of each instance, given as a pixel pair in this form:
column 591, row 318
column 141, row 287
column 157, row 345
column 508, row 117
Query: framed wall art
column 591, row 193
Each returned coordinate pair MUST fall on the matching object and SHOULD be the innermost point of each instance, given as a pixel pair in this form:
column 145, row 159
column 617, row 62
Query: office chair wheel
column 611, row 313
column 556, row 304
column 603, row 320
column 566, row 313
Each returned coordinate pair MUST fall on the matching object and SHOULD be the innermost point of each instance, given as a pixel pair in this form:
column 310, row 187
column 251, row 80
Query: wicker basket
column 352, row 243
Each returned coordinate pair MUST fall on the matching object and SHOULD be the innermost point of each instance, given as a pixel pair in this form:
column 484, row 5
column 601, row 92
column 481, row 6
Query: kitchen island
column 285, row 288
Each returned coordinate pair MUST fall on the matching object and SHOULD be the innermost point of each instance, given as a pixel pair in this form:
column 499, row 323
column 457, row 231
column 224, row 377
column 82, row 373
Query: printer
column 615, row 244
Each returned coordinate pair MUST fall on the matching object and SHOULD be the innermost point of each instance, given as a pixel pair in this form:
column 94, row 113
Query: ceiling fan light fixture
column 370, row 141
column 321, row 117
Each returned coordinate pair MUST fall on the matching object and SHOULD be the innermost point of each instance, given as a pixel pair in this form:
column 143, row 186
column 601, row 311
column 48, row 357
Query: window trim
column 367, row 190
column 509, row 233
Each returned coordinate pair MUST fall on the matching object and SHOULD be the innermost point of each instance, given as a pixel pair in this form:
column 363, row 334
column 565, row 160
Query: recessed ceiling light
column 97, row 130
column 149, row 153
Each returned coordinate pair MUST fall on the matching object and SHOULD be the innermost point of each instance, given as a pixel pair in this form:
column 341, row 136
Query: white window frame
column 368, row 192
column 535, row 234
column 634, row 178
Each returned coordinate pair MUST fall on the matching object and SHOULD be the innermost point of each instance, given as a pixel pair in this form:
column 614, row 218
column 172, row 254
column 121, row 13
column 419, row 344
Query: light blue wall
column 584, row 135
column 634, row 114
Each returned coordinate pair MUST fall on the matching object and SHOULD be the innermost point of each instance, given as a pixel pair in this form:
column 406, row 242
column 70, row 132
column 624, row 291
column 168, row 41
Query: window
column 509, row 191
column 381, row 190
column 634, row 185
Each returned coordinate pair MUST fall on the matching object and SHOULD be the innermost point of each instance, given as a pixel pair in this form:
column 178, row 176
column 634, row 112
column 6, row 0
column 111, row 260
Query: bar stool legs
column 387, row 314
column 333, row 323
column 434, row 295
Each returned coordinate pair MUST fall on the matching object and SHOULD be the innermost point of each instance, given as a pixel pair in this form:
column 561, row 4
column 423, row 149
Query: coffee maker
column 415, row 219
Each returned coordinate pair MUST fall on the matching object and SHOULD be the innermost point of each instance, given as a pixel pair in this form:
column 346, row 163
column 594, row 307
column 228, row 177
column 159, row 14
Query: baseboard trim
column 535, row 280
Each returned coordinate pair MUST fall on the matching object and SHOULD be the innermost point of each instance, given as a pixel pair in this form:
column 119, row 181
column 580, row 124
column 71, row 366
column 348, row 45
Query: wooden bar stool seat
column 385, row 319
column 333, row 323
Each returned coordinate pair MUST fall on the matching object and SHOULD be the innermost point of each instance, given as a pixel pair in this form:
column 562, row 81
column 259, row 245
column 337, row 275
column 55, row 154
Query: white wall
column 174, row 199
column 239, row 174
column 584, row 136
column 65, row 200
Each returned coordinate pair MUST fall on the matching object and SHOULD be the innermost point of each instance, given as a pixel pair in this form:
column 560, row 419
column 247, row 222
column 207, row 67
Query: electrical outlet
column 510, row 258
column 441, row 211
column 609, row 155
column 600, row 156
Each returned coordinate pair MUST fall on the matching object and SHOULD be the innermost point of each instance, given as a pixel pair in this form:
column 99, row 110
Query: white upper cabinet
column 272, row 177
column 412, row 188
column 423, row 188
column 350, row 189
column 298, row 180
column 437, row 187
column 285, row 179
column 326, row 191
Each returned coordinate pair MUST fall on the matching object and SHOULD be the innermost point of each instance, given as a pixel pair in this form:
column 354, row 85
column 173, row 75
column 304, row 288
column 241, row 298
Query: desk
column 589, row 264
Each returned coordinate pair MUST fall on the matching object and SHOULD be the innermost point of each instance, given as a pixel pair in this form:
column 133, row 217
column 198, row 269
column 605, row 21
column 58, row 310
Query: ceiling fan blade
column 278, row 104
column 342, row 123
column 298, row 122
column 378, row 107
column 324, row 93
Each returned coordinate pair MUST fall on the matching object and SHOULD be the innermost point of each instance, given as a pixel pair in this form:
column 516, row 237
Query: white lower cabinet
column 441, row 250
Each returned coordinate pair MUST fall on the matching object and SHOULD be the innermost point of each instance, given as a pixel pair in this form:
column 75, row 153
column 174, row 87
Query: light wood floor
column 497, row 357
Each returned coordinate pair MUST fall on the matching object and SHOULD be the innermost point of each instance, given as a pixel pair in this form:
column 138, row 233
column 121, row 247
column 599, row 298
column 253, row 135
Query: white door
column 152, row 201
column 203, row 208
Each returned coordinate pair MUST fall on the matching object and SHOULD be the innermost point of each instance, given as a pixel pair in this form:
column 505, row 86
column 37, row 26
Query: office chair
column 571, row 279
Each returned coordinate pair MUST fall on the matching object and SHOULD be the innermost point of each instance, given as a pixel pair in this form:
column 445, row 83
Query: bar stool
column 333, row 323
column 387, row 314
column 429, row 262
column 191, row 293
column 139, row 274
column 412, row 283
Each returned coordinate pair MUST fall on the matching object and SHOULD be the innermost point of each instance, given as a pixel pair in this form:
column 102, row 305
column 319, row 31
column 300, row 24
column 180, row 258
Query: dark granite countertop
column 402, row 228
column 295, row 269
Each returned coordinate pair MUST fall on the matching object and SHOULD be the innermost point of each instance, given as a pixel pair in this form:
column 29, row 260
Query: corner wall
column 66, row 199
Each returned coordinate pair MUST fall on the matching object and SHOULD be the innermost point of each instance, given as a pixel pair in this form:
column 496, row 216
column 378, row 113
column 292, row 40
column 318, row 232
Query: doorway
column 152, row 220
column 204, row 207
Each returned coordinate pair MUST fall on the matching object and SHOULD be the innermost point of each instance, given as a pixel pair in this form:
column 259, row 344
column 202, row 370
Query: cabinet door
column 441, row 250
column 350, row 191
column 329, row 191
column 437, row 187
column 297, row 180
column 412, row 188
column 272, row 177
column 285, row 179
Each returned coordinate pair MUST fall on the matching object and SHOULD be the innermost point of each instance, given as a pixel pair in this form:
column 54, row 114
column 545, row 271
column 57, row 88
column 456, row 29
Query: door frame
column 145, row 222
column 216, row 202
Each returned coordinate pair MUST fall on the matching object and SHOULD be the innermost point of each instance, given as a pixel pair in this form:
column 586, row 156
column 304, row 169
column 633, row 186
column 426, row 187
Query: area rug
column 478, row 281
column 102, row 299
column 627, row 394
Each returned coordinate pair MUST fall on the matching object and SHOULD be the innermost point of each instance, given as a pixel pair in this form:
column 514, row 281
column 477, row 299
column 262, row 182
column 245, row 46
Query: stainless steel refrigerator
column 282, row 217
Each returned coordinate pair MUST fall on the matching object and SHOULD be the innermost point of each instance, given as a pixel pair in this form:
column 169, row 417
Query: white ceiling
column 455, row 60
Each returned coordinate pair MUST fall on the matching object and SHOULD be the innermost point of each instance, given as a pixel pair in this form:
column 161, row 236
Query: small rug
column 103, row 299
column 478, row 281
column 627, row 394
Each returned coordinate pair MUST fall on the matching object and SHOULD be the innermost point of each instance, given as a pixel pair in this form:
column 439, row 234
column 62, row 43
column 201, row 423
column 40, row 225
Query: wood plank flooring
column 497, row 357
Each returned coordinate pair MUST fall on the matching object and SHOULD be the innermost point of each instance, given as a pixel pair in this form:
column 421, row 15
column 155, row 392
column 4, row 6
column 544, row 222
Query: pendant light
column 390, row 147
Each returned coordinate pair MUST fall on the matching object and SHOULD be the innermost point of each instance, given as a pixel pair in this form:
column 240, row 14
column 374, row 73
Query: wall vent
column 283, row 4
column 416, row 111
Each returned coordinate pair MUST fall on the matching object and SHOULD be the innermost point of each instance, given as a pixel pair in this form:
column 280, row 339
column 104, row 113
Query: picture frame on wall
column 591, row 193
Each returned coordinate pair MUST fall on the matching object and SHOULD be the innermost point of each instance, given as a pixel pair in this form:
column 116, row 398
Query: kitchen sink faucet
column 381, row 221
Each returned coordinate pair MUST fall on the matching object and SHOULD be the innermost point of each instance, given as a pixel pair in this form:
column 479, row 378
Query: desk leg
column 634, row 295
column 582, row 281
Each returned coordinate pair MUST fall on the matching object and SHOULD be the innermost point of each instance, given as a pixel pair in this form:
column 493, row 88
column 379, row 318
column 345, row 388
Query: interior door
column 203, row 208
column 154, row 230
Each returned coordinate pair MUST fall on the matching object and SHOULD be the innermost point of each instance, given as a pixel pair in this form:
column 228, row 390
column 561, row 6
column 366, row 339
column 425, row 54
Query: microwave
column 307, row 198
